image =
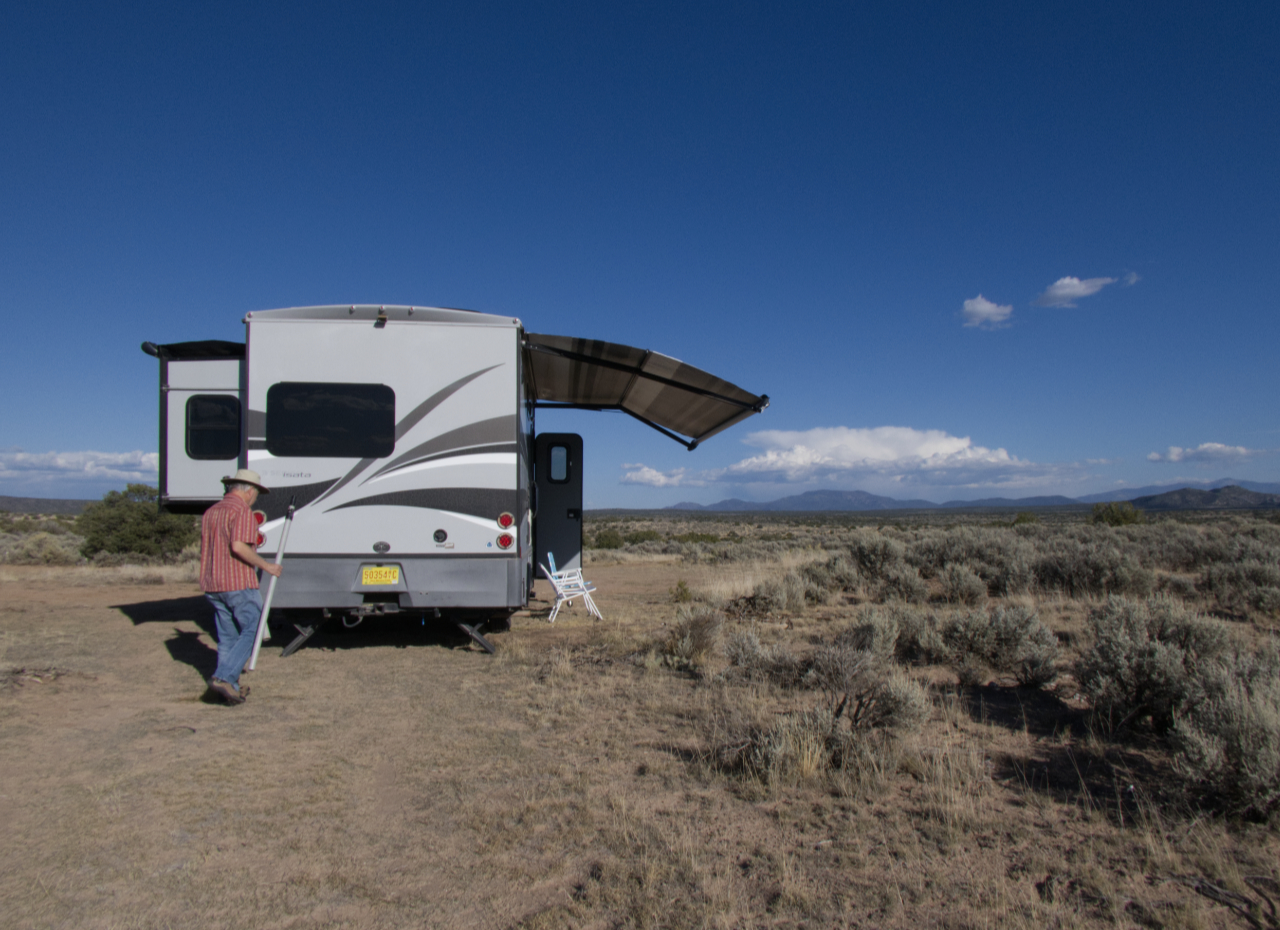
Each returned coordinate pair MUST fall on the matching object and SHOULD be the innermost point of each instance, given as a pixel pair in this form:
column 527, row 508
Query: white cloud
column 1066, row 291
column 1130, row 278
column 978, row 311
column 37, row 470
column 676, row 478
column 1205, row 452
column 891, row 457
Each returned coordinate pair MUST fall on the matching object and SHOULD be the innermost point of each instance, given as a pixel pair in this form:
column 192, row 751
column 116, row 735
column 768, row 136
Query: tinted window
column 329, row 420
column 559, row 463
column 213, row 426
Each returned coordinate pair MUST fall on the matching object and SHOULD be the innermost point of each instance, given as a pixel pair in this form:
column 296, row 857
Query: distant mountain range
column 1128, row 494
column 1228, row 498
column 1224, row 494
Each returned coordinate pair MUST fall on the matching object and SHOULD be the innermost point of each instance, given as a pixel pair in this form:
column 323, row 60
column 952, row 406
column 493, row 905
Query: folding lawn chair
column 569, row 584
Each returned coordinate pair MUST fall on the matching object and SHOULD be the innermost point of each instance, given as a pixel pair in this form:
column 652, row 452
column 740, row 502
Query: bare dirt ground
column 396, row 776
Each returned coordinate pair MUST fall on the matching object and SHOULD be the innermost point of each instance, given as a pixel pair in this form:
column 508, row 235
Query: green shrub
column 697, row 538
column 865, row 690
column 1146, row 661
column 1244, row 585
column 875, row 555
column 608, row 539
column 40, row 548
column 1176, row 586
column 1116, row 513
column 1011, row 640
column 919, row 635
column 641, row 536
column 789, row 593
column 1095, row 567
column 1229, row 741
column 961, row 585
column 876, row 635
column 903, row 583
column 1025, row 517
column 749, row 658
column 836, row 574
column 130, row 522
column 681, row 594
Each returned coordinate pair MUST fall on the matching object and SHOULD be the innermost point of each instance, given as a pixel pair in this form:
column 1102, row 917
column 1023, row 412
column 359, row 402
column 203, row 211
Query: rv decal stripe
column 277, row 502
column 485, row 432
column 452, row 454
column 360, row 466
column 412, row 420
column 475, row 502
column 435, row 400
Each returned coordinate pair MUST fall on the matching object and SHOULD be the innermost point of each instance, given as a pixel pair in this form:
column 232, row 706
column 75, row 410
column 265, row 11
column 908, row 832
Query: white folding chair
column 569, row 584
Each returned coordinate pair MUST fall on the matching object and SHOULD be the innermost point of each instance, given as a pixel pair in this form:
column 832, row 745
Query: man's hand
column 244, row 552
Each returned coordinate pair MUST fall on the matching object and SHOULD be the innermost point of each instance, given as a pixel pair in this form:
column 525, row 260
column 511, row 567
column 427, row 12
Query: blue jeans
column 236, row 614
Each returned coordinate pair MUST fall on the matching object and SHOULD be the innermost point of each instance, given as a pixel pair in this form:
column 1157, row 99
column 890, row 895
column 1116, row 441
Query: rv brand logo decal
column 381, row 548
column 295, row 474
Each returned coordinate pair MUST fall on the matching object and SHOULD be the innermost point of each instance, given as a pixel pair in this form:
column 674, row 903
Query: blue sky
column 970, row 250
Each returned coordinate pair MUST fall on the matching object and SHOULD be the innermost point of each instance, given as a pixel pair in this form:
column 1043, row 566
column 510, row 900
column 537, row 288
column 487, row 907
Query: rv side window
column 559, row 470
column 213, row 426
column 331, row 420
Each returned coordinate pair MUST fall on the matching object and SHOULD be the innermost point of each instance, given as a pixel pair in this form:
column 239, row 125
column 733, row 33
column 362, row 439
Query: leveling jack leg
column 471, row 631
column 304, row 634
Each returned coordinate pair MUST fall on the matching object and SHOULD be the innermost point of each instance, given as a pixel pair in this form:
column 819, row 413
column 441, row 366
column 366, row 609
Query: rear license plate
column 390, row 575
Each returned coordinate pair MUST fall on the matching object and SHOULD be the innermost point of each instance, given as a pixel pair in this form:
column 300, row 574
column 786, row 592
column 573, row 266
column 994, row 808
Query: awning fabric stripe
column 660, row 390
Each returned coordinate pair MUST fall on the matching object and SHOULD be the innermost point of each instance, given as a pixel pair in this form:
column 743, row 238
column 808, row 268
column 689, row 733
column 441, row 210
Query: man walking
column 228, row 557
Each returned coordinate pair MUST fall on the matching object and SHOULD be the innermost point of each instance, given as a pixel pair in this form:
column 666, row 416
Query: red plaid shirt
column 225, row 522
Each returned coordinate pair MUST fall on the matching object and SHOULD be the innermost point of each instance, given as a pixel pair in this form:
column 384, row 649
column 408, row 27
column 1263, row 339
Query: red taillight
column 506, row 520
column 259, row 517
column 261, row 540
column 506, row 541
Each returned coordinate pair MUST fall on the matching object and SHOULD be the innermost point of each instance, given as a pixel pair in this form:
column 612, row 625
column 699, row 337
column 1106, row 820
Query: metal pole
column 271, row 589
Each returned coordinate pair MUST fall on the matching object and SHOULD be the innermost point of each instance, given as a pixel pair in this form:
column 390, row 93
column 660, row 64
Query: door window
column 559, row 471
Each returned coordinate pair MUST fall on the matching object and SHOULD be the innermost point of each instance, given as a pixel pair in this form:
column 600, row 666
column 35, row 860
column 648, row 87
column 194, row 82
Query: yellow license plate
column 380, row 575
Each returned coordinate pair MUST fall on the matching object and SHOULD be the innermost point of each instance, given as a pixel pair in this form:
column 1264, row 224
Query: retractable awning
column 672, row 397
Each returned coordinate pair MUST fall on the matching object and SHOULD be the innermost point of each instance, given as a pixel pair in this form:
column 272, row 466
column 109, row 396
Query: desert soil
column 397, row 776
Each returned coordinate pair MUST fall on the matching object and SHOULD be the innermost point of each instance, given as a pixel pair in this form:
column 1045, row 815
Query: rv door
column 557, row 524
column 201, row 426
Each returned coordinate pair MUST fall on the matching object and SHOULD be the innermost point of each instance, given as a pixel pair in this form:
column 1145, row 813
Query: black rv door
column 557, row 523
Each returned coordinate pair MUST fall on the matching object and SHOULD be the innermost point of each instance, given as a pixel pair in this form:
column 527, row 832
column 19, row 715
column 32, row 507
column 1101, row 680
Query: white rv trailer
column 403, row 437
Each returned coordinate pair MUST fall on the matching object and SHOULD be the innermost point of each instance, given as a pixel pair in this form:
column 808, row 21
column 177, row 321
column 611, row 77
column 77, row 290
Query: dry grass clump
column 40, row 548
column 39, row 540
column 92, row 575
column 868, row 704
column 1010, row 640
column 694, row 636
column 750, row 660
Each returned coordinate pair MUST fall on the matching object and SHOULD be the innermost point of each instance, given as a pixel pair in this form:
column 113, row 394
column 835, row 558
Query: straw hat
column 245, row 476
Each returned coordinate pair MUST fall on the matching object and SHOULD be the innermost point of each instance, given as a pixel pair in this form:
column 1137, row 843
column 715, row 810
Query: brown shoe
column 225, row 691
